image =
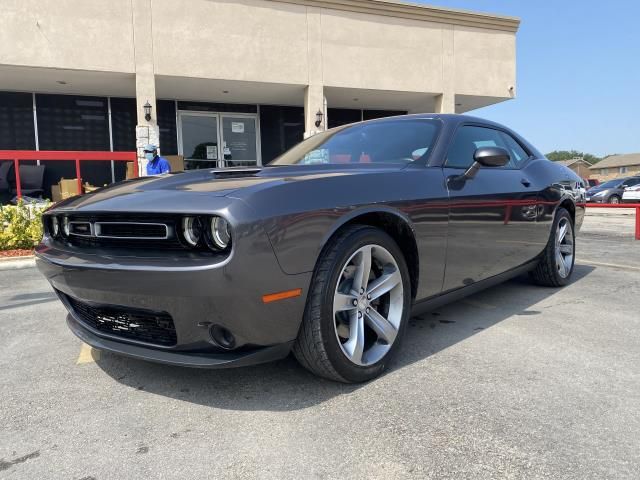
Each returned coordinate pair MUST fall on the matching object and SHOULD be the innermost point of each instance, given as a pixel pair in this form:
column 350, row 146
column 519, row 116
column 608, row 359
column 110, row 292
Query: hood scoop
column 232, row 173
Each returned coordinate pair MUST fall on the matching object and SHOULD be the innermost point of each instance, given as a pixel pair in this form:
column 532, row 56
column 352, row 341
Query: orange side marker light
column 274, row 297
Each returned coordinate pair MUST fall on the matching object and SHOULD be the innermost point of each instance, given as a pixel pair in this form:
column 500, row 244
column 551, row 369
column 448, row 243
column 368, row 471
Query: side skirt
column 434, row 302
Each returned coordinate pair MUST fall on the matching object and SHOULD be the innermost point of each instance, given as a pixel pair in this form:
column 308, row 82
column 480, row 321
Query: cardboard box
column 68, row 187
column 176, row 162
column 56, row 196
column 130, row 170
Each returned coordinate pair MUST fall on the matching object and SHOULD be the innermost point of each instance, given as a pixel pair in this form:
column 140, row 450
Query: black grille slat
column 147, row 230
column 128, row 323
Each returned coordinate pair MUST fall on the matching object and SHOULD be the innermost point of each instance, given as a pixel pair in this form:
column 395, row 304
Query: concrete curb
column 16, row 263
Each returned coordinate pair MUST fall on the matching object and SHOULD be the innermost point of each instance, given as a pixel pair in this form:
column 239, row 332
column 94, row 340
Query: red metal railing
column 621, row 205
column 59, row 155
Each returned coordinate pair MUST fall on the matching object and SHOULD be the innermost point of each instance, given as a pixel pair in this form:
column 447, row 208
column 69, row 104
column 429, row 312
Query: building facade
column 234, row 83
column 579, row 165
column 615, row 166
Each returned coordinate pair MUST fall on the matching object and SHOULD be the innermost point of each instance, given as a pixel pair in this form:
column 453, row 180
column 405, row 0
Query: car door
column 492, row 217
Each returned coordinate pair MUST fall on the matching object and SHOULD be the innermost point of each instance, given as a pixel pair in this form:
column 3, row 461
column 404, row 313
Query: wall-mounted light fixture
column 319, row 118
column 147, row 111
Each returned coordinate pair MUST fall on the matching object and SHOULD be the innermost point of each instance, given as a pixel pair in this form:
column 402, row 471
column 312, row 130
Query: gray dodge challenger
column 326, row 252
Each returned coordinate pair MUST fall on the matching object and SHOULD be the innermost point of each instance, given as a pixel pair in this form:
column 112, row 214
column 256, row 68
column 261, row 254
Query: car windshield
column 386, row 141
column 610, row 184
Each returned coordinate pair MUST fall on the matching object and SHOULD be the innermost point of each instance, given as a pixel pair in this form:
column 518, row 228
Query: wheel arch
column 395, row 224
column 569, row 205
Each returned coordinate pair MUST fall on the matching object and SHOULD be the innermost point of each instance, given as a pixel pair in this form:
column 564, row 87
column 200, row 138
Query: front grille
column 128, row 323
column 107, row 230
column 129, row 230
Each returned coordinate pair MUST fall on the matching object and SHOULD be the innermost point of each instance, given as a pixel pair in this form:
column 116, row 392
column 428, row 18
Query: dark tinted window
column 167, row 126
column 67, row 122
column 468, row 138
column 280, row 129
column 342, row 116
column 16, row 121
column 393, row 141
column 123, row 124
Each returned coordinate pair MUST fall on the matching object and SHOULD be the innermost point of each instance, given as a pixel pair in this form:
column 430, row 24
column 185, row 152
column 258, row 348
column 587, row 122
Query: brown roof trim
column 413, row 11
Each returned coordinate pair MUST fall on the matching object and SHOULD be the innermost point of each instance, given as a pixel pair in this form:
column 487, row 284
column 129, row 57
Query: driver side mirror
column 487, row 157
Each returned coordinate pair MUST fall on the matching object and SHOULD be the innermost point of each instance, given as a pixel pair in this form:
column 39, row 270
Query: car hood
column 173, row 192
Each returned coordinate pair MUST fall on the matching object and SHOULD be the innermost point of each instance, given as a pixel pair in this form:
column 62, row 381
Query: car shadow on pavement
column 284, row 385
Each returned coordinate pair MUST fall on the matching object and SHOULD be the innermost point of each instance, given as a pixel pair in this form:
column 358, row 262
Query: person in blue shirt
column 156, row 165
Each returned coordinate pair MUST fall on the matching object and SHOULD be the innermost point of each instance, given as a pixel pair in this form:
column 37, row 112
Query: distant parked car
column 591, row 182
column 611, row 191
column 631, row 194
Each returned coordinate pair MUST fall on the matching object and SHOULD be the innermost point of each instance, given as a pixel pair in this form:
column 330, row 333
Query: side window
column 632, row 181
column 467, row 138
column 516, row 152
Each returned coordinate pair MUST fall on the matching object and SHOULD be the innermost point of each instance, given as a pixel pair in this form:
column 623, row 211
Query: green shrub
column 21, row 225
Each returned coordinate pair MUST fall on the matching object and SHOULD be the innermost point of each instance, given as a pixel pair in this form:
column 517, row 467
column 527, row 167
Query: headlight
column 599, row 194
column 220, row 232
column 65, row 226
column 55, row 227
column 191, row 230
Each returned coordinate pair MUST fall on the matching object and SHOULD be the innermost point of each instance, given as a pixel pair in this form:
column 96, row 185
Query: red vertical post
column 78, row 176
column 16, row 166
column 507, row 214
column 637, row 223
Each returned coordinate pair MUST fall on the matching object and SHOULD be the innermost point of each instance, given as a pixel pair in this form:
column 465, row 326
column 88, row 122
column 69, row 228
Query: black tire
column 547, row 272
column 614, row 199
column 317, row 347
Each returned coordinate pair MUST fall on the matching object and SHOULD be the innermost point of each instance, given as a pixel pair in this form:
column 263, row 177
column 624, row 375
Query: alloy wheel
column 368, row 305
column 565, row 247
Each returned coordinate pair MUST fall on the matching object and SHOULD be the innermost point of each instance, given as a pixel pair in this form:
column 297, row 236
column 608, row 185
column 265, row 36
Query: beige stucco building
column 261, row 68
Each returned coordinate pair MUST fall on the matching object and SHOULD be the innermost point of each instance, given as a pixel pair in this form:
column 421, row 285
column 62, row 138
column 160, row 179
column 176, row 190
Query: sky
column 578, row 73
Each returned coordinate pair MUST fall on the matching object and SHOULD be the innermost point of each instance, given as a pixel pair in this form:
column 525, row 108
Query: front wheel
column 358, row 307
column 615, row 199
column 558, row 258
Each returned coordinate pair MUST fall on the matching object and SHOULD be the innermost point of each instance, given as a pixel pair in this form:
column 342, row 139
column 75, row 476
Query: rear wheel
column 357, row 308
column 557, row 260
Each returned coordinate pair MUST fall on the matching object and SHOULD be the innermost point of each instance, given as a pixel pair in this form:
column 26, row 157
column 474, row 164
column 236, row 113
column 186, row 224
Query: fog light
column 222, row 337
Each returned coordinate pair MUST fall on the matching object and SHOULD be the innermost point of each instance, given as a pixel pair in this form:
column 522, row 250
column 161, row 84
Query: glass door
column 199, row 140
column 240, row 140
column 218, row 140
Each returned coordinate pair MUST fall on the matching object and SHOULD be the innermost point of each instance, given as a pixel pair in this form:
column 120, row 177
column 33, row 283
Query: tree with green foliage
column 559, row 155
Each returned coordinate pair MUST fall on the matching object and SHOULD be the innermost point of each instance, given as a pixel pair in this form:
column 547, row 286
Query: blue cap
column 150, row 148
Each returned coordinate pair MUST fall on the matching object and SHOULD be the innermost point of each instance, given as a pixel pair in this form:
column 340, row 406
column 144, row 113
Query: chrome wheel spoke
column 354, row 346
column 562, row 232
column 383, row 284
column 385, row 330
column 342, row 302
column 566, row 248
column 363, row 270
column 560, row 263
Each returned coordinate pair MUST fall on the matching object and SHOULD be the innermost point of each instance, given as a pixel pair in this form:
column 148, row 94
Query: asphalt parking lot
column 515, row 382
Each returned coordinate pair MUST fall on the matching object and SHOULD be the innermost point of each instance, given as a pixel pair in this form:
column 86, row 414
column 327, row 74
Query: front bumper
column 196, row 292
column 596, row 199
column 177, row 358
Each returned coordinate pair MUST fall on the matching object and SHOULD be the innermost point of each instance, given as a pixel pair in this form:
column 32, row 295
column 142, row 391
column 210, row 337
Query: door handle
column 525, row 182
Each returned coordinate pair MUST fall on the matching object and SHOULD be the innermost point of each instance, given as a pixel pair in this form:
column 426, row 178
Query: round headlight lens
column 220, row 232
column 55, row 227
column 65, row 226
column 191, row 230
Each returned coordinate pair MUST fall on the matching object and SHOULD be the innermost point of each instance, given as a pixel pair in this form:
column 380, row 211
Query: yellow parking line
column 610, row 265
column 87, row 355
